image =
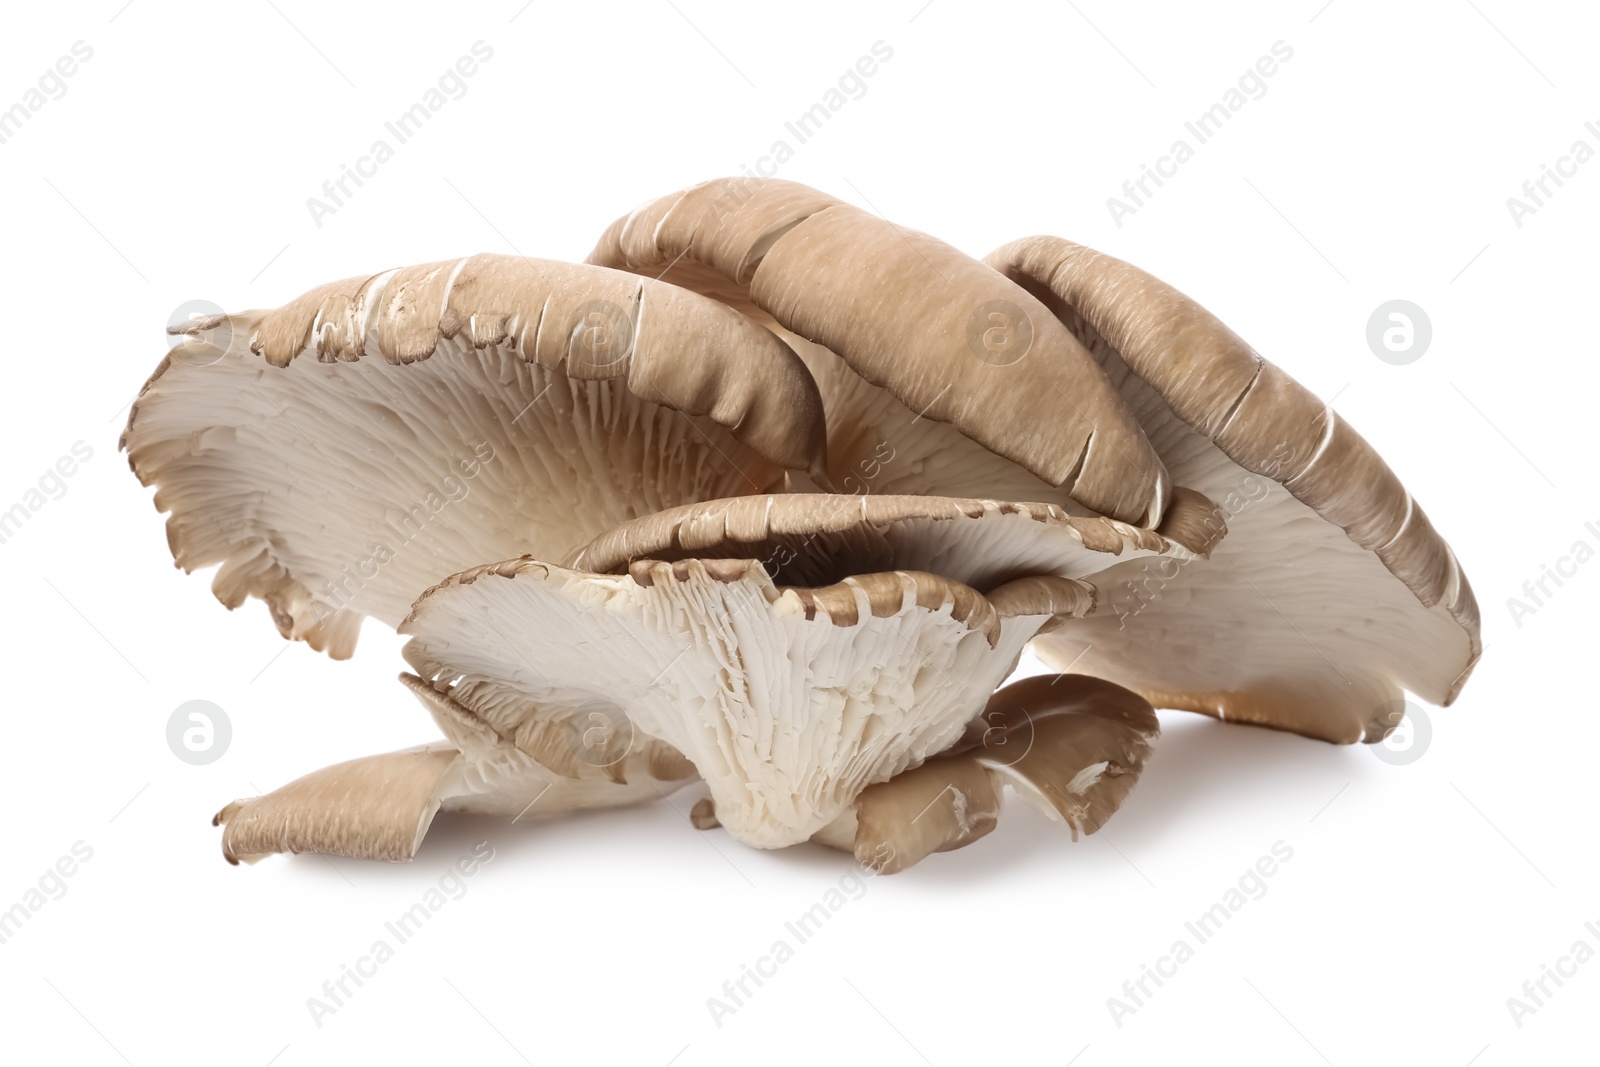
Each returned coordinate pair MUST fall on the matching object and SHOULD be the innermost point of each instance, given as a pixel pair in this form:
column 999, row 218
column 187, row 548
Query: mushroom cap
column 1072, row 745
column 341, row 453
column 929, row 336
column 789, row 701
column 1331, row 592
column 820, row 538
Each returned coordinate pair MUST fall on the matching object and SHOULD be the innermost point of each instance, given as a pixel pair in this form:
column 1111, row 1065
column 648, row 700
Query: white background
column 1377, row 166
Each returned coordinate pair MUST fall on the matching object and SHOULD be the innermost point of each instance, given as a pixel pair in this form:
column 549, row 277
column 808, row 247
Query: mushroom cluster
column 773, row 493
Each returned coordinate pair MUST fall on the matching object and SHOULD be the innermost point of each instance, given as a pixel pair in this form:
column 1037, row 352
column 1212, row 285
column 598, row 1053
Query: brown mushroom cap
column 341, row 453
column 1072, row 745
column 789, row 701
column 908, row 313
column 1332, row 590
column 945, row 804
column 810, row 539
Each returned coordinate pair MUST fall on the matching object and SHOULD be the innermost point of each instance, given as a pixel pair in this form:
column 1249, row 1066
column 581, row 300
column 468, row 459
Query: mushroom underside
column 788, row 701
column 340, row 454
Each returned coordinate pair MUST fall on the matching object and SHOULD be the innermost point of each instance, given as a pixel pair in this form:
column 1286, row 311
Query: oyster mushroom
column 340, row 454
column 682, row 602
column 789, row 698
column 916, row 347
column 1332, row 591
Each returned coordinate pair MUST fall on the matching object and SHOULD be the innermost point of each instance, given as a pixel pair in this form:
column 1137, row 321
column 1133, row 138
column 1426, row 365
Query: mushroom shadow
column 1202, row 773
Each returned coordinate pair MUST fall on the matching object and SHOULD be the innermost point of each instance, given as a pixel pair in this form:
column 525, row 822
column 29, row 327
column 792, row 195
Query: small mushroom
column 340, row 454
column 1070, row 744
column 1331, row 593
column 911, row 319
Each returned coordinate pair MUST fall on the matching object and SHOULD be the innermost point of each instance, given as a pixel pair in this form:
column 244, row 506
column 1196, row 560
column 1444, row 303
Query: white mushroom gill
column 339, row 454
column 493, row 776
column 327, row 487
column 788, row 702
